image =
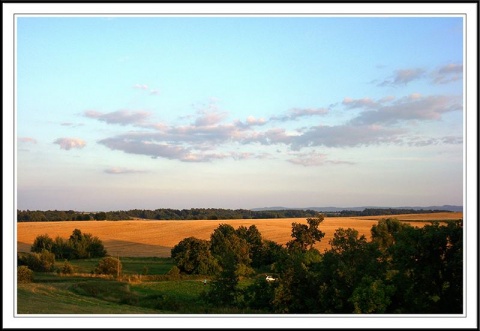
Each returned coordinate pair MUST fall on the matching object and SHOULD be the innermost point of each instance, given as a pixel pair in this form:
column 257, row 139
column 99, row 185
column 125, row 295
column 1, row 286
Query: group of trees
column 78, row 246
column 46, row 250
column 402, row 269
column 198, row 214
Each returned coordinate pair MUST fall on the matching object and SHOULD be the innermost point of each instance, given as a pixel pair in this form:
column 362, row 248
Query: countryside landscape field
column 148, row 279
column 140, row 238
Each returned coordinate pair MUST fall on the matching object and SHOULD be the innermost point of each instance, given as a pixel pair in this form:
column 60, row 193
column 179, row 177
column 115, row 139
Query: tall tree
column 193, row 256
column 305, row 236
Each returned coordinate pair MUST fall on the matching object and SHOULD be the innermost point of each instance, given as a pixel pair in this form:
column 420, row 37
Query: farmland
column 151, row 281
column 142, row 238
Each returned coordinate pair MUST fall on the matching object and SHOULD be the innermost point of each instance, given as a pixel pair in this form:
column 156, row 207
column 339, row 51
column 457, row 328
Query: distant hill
column 339, row 209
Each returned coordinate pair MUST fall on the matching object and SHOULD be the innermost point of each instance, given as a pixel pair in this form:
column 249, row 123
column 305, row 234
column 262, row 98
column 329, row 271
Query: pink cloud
column 69, row 143
column 27, row 140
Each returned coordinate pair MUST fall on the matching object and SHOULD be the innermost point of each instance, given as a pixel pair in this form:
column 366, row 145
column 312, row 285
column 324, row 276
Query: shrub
column 174, row 273
column 109, row 266
column 44, row 261
column 42, row 242
column 67, row 268
column 24, row 274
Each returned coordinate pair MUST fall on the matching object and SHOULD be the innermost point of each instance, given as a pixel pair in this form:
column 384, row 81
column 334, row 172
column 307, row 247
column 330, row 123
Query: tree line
column 198, row 214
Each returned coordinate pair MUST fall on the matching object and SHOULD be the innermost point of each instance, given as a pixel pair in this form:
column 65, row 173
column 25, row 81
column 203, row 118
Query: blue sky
column 117, row 113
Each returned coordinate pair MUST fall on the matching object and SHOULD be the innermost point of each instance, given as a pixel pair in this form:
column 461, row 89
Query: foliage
column 24, row 274
column 223, row 290
column 67, row 268
column 401, row 270
column 43, row 261
column 428, row 262
column 304, row 237
column 42, row 242
column 230, row 249
column 78, row 246
column 193, row 256
column 109, row 266
column 174, row 273
column 201, row 214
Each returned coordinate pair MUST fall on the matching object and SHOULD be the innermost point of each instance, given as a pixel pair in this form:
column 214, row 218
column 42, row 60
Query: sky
column 146, row 112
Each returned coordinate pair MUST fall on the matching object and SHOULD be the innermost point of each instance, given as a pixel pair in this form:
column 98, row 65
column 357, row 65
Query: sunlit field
column 141, row 238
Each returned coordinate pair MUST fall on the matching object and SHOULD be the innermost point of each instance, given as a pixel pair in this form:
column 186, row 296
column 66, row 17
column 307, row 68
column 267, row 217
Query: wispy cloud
column 141, row 87
column 411, row 108
column 27, row 140
column 146, row 88
column 122, row 117
column 122, row 171
column 445, row 74
column 69, row 143
column 359, row 103
column 448, row 73
column 210, row 136
column 296, row 113
column 73, row 125
column 314, row 159
column 403, row 77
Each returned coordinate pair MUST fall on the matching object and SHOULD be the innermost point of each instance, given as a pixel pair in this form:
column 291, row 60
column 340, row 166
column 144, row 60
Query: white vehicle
column 269, row 279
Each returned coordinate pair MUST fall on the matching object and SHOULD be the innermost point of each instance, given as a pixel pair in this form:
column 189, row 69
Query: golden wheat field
column 143, row 238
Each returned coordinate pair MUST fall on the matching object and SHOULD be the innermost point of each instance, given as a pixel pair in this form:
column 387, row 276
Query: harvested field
column 142, row 238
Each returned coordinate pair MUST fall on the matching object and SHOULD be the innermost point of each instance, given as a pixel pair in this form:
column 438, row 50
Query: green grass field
column 134, row 293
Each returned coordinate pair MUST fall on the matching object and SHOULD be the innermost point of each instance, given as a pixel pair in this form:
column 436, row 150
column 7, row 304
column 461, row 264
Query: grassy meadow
column 137, row 291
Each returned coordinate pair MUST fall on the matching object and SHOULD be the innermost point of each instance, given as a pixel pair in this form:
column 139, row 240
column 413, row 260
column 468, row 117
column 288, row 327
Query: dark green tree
column 254, row 240
column 305, row 236
column 226, row 246
column 109, row 266
column 351, row 262
column 223, row 289
column 428, row 269
column 42, row 242
column 193, row 256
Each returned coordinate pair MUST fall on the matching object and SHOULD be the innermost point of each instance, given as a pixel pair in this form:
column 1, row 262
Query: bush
column 44, row 261
column 174, row 273
column 67, row 268
column 109, row 266
column 24, row 274
column 42, row 242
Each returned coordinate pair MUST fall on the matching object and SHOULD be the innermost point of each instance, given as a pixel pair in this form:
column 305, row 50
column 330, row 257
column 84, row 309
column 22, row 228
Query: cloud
column 209, row 136
column 411, row 108
column 251, row 120
column 122, row 117
column 403, row 77
column 313, row 159
column 153, row 146
column 448, row 73
column 359, row 103
column 121, row 171
column 347, row 135
column 210, row 118
column 427, row 141
column 154, row 92
column 69, row 143
column 141, row 87
column 73, row 125
column 27, row 140
column 296, row 113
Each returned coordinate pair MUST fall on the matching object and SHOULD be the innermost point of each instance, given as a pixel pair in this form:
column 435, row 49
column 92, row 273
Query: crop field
column 150, row 238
